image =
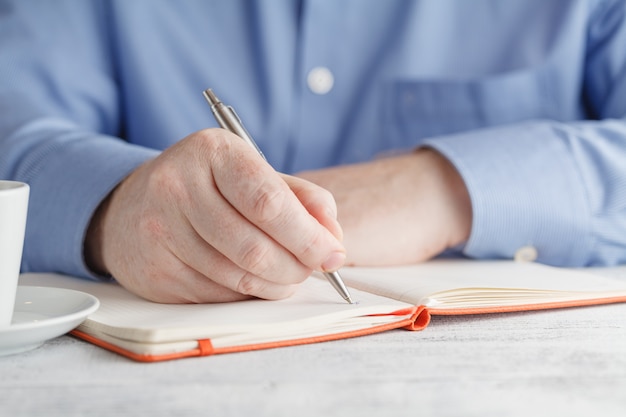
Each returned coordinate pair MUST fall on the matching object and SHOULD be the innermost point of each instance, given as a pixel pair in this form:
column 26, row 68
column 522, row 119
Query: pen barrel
column 228, row 119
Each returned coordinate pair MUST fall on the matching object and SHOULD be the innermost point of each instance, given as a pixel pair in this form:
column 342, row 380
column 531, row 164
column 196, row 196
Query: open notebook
column 388, row 298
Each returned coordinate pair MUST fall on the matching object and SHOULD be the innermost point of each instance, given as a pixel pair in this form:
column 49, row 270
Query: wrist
column 93, row 243
column 454, row 200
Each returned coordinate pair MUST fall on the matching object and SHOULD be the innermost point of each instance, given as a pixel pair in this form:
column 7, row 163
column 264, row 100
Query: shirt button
column 526, row 254
column 320, row 80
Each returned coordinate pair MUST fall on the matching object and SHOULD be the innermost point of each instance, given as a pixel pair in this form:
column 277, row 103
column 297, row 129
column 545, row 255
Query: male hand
column 398, row 210
column 209, row 220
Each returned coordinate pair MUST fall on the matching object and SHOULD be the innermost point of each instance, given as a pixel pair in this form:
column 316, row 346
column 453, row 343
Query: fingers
column 262, row 197
column 193, row 250
column 185, row 287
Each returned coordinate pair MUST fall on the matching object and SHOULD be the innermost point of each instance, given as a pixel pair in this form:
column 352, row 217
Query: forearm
column 398, row 210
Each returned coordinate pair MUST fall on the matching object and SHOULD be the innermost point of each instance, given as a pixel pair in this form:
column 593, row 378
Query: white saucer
column 43, row 313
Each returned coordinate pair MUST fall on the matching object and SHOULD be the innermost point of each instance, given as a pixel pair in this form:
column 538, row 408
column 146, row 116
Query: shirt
column 527, row 99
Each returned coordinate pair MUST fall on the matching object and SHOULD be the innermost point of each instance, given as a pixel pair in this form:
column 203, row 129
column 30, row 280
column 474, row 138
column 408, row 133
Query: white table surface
column 569, row 362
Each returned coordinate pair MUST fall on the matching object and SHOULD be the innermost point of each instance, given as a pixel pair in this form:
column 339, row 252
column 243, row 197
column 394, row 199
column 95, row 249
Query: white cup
column 13, row 209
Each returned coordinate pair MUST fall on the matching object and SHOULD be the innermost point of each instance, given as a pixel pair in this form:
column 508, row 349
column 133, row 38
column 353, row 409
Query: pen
column 227, row 119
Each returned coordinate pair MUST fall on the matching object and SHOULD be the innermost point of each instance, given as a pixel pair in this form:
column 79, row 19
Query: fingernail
column 334, row 261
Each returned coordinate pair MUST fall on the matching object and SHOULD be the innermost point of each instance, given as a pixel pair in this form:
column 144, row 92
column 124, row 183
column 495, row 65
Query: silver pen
column 227, row 119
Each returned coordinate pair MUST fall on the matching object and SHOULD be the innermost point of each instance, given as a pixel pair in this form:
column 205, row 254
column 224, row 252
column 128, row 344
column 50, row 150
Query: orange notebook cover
column 388, row 298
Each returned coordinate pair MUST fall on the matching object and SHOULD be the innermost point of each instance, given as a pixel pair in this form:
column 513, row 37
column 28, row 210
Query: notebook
column 387, row 298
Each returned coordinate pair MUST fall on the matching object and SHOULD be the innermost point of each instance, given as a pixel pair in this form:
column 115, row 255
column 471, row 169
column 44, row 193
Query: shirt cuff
column 69, row 176
column 525, row 191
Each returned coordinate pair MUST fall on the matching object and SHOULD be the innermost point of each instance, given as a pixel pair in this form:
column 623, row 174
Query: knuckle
column 205, row 138
column 254, row 257
column 252, row 285
column 210, row 145
column 268, row 204
column 210, row 140
column 249, row 285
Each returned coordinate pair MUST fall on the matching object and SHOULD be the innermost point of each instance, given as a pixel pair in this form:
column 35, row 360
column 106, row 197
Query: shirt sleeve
column 557, row 186
column 59, row 124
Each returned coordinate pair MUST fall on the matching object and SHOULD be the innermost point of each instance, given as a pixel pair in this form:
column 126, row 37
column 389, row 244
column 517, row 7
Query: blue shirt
column 527, row 98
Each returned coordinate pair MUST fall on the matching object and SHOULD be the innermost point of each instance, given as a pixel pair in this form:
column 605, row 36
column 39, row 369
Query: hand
column 398, row 210
column 209, row 220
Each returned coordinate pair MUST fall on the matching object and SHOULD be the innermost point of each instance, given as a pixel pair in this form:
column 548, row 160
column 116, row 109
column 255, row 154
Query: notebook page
column 127, row 316
column 417, row 283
